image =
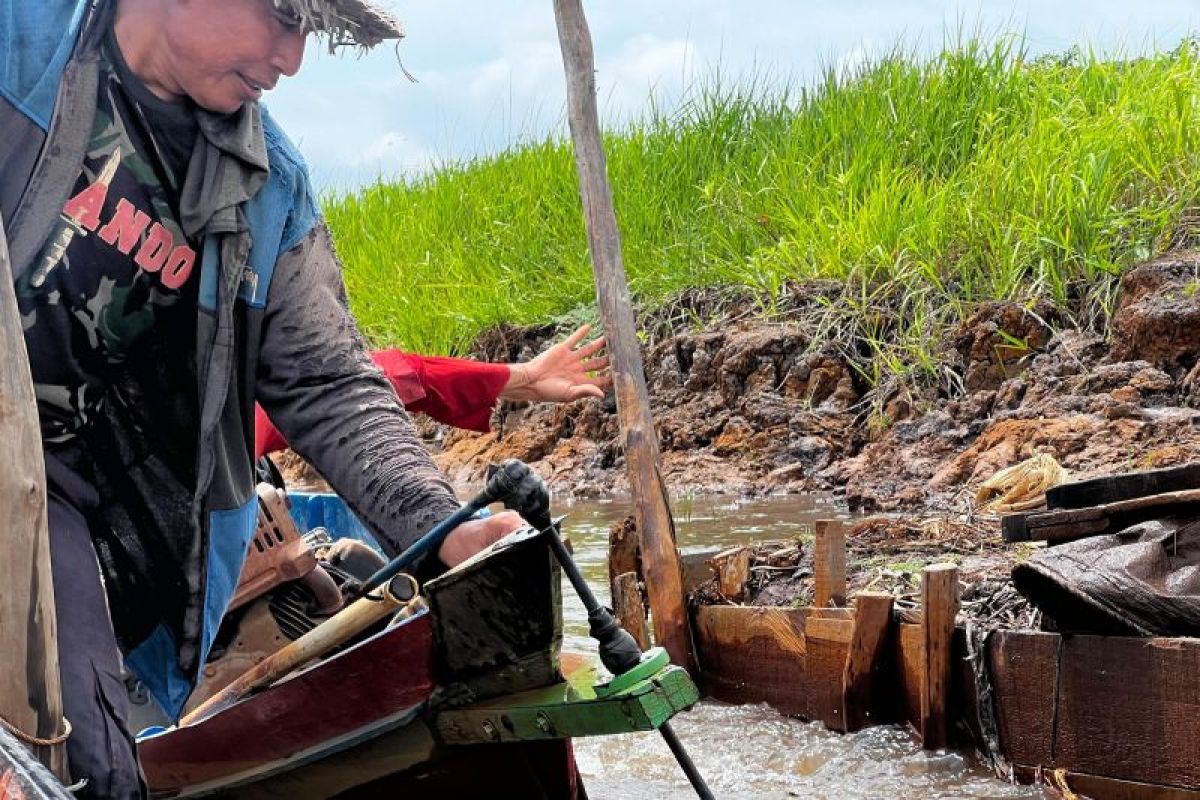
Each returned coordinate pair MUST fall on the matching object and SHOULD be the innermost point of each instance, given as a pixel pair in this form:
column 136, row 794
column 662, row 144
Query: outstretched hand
column 562, row 373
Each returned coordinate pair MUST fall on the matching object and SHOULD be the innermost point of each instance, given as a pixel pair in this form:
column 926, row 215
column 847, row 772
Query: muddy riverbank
column 754, row 406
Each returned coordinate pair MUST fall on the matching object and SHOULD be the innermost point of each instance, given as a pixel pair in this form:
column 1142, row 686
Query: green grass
column 925, row 186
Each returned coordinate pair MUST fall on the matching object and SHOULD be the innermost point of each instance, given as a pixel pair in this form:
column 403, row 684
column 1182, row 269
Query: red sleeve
column 455, row 391
column 267, row 438
column 458, row 392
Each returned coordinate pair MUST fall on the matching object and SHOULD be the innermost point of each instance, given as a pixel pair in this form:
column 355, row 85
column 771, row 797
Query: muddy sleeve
column 319, row 386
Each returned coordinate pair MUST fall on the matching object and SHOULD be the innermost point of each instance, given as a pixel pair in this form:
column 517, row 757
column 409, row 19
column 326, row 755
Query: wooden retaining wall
column 1102, row 717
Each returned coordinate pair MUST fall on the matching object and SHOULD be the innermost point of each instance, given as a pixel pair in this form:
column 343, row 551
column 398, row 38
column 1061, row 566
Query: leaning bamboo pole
column 30, row 692
column 656, row 528
column 333, row 632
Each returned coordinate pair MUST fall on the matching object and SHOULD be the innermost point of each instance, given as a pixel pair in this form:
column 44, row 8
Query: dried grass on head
column 345, row 23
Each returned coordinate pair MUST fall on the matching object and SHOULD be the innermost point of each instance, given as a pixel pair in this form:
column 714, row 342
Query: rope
column 1020, row 487
column 33, row 740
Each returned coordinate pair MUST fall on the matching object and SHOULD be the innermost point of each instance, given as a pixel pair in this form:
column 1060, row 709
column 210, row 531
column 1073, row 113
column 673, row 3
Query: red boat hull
column 353, row 724
column 376, row 686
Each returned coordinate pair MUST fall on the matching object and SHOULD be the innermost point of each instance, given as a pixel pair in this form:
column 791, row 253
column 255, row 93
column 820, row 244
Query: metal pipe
column 513, row 482
column 685, row 762
column 619, row 651
column 327, row 597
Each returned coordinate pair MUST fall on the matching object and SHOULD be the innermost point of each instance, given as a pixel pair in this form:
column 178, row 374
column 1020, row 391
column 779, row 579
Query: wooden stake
column 30, row 692
column 656, row 529
column 630, row 609
column 829, row 557
column 733, row 572
column 622, row 551
column 939, row 605
column 868, row 642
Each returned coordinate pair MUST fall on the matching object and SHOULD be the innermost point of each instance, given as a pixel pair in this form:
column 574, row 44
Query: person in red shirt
column 462, row 393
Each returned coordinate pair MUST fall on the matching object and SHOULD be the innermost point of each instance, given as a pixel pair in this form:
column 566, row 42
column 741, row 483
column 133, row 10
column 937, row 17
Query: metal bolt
column 489, row 730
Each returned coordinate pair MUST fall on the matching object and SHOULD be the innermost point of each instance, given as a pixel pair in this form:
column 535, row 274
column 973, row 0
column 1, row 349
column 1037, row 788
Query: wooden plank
column 1083, row 785
column 909, row 665
column 656, row 528
column 865, row 660
column 630, row 608
column 939, row 608
column 750, row 654
column 1129, row 708
column 839, row 630
column 1056, row 526
column 732, row 568
column 812, row 613
column 30, row 689
column 1024, row 672
column 1015, row 528
column 1114, row 488
column 967, row 725
column 829, row 563
column 827, row 641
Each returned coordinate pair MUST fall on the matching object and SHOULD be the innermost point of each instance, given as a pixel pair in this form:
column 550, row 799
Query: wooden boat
column 474, row 686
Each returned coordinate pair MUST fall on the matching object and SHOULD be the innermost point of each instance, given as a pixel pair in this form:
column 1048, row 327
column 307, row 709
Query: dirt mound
column 751, row 406
column 754, row 407
column 747, row 409
column 1157, row 318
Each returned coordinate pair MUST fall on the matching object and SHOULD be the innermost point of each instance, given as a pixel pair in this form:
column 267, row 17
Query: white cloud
column 645, row 66
column 525, row 71
column 395, row 151
column 491, row 74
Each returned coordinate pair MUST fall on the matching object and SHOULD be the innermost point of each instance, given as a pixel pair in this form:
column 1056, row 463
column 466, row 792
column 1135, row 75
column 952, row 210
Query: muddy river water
column 750, row 751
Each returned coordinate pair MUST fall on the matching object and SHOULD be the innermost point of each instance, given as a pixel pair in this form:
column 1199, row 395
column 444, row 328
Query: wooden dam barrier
column 1099, row 716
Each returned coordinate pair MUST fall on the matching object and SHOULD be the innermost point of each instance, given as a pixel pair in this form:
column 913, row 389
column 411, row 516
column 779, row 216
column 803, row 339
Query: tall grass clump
column 925, row 185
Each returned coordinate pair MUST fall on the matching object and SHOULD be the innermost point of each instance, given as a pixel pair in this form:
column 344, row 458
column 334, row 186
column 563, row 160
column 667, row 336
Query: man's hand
column 561, row 373
column 475, row 534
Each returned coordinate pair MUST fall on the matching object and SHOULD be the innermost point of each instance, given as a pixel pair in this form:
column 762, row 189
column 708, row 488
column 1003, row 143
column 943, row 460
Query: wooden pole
column 30, row 692
column 939, row 609
column 829, row 564
column 333, row 632
column 660, row 559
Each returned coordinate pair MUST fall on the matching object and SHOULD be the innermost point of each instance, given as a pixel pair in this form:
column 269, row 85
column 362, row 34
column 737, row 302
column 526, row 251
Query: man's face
column 225, row 53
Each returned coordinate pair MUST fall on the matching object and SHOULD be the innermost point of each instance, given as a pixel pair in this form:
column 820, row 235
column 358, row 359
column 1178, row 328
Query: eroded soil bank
column 745, row 405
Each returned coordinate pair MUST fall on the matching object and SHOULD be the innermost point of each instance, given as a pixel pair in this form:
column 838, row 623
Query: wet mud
column 754, row 406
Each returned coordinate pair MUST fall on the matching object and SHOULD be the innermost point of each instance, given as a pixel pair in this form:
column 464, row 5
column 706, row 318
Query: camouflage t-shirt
column 109, row 308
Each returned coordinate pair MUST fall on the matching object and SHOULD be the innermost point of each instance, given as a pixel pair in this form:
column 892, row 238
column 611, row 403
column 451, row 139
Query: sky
column 489, row 73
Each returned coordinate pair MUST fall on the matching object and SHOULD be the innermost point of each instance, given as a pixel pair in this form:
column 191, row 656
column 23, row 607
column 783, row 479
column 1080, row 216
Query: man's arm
column 338, row 411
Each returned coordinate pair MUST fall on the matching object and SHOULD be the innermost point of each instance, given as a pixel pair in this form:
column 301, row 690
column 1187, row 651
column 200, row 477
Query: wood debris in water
column 887, row 554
